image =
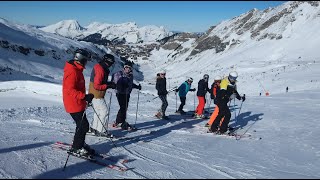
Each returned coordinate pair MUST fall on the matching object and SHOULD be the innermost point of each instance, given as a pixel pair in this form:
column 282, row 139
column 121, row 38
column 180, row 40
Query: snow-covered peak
column 66, row 28
column 128, row 30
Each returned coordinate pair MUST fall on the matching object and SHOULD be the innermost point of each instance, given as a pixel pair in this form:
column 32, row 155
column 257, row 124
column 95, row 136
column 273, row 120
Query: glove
column 212, row 96
column 194, row 89
column 139, row 87
column 238, row 97
column 177, row 90
column 215, row 101
column 88, row 97
column 243, row 97
column 111, row 85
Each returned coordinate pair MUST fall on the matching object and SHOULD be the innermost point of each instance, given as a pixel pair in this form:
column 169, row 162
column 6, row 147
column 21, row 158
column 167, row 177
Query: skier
column 227, row 89
column 124, row 84
column 161, row 86
column 75, row 98
column 98, row 86
column 215, row 87
column 183, row 89
column 201, row 93
column 287, row 89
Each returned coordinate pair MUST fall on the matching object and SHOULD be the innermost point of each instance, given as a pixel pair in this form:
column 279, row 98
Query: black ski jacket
column 202, row 88
column 161, row 86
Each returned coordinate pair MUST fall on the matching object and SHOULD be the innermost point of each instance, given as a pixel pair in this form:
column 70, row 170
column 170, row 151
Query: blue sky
column 190, row 16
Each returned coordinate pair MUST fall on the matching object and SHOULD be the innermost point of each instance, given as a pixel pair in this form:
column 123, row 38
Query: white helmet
column 162, row 71
column 190, row 79
column 233, row 76
column 218, row 78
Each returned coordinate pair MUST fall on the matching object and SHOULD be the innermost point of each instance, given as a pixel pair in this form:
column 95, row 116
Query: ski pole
column 234, row 107
column 194, row 101
column 110, row 138
column 171, row 90
column 241, row 105
column 77, row 129
column 109, row 111
column 103, row 125
column 236, row 118
column 176, row 103
column 153, row 99
column 209, row 106
column 137, row 110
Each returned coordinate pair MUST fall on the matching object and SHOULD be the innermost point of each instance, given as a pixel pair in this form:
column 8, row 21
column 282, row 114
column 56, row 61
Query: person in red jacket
column 98, row 86
column 75, row 100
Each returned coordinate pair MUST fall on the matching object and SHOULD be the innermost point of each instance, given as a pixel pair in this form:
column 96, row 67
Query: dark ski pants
column 123, row 100
column 224, row 111
column 183, row 102
column 82, row 127
column 164, row 103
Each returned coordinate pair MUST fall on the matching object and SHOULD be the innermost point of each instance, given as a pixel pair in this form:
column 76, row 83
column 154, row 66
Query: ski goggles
column 232, row 79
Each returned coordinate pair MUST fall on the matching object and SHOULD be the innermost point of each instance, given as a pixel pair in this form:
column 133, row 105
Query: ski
column 230, row 134
column 66, row 147
column 107, row 165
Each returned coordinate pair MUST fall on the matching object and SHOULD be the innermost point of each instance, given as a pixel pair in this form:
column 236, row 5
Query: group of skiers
column 76, row 100
column 221, row 92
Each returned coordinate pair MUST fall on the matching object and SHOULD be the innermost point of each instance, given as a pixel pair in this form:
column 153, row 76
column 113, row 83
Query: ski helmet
column 128, row 66
column 217, row 78
column 206, row 77
column 128, row 63
column 190, row 79
column 162, row 71
column 233, row 76
column 82, row 56
column 109, row 59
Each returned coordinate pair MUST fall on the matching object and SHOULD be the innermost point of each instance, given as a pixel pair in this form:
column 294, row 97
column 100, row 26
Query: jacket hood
column 71, row 65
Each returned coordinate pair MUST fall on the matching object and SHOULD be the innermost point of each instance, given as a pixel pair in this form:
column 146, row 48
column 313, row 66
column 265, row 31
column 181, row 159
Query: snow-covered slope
column 30, row 53
column 129, row 31
column 283, row 143
column 270, row 49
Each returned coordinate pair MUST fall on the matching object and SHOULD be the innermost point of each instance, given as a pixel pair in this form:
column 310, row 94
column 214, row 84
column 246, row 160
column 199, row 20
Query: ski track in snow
column 225, row 174
column 159, row 144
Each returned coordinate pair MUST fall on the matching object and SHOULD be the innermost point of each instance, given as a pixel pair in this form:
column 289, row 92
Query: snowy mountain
column 271, row 49
column 129, row 31
column 66, row 28
column 38, row 55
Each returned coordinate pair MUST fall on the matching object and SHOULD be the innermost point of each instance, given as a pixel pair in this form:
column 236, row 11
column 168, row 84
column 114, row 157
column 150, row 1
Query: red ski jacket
column 73, row 88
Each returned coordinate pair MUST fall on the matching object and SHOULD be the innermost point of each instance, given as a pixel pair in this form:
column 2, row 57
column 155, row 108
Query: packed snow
column 283, row 141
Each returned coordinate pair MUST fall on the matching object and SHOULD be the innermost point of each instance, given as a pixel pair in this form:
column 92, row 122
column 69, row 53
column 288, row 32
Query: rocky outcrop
column 207, row 43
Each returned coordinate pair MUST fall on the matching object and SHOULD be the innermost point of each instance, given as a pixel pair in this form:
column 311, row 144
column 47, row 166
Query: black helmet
column 206, row 77
column 109, row 59
column 83, row 56
column 128, row 63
